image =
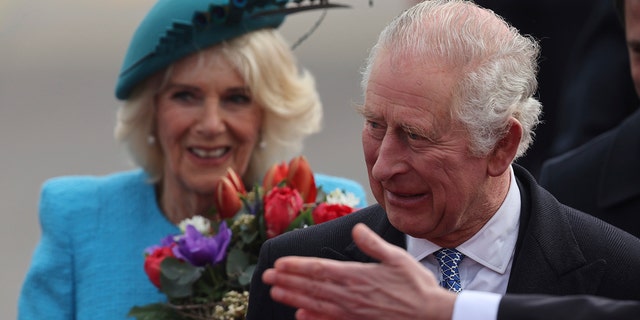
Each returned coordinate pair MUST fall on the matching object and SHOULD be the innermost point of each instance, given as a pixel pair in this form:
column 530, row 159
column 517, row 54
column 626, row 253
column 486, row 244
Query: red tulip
column 227, row 199
column 152, row 263
column 300, row 177
column 281, row 206
column 325, row 212
column 275, row 175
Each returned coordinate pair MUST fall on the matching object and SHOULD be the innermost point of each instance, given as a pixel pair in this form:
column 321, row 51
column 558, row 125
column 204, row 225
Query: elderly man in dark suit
column 602, row 177
column 448, row 107
column 432, row 302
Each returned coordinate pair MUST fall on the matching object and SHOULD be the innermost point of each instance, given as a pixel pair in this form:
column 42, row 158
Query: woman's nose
column 212, row 119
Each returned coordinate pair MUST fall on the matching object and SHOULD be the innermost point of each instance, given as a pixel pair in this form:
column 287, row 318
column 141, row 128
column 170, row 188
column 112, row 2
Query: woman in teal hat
column 206, row 85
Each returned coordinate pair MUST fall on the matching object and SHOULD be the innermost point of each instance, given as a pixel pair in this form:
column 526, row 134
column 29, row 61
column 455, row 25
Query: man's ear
column 505, row 150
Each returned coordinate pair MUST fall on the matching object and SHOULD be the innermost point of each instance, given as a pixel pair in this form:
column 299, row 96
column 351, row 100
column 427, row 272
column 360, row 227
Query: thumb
column 374, row 246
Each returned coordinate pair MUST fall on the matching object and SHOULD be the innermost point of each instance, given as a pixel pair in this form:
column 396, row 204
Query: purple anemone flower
column 165, row 242
column 200, row 250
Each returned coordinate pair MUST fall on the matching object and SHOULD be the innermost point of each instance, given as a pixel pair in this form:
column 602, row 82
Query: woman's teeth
column 218, row 152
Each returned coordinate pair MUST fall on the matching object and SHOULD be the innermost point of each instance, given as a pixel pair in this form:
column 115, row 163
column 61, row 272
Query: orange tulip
column 227, row 199
column 275, row 175
column 236, row 181
column 300, row 177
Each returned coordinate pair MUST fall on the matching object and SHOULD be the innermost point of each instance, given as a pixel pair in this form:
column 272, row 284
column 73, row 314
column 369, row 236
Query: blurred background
column 59, row 60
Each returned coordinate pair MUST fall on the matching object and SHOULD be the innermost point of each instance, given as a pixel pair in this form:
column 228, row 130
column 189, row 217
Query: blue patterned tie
column 449, row 260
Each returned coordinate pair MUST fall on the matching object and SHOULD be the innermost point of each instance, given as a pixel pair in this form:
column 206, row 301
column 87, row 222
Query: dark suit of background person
column 534, row 307
column 584, row 71
column 602, row 177
column 598, row 92
column 559, row 251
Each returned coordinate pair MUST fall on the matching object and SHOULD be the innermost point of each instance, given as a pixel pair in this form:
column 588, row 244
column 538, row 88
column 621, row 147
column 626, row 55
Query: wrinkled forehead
column 404, row 92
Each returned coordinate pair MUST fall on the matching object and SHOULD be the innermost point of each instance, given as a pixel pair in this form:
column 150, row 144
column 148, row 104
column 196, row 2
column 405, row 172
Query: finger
column 300, row 300
column 305, row 285
column 316, row 268
column 374, row 246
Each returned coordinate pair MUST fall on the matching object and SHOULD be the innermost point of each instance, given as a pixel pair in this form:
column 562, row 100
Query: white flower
column 202, row 224
column 338, row 196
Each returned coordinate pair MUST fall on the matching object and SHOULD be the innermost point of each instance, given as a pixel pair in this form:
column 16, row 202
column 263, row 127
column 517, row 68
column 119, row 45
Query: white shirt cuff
column 476, row 305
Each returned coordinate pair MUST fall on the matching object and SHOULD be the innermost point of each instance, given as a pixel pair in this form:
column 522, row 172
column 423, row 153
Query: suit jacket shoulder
column 561, row 250
column 602, row 176
column 330, row 240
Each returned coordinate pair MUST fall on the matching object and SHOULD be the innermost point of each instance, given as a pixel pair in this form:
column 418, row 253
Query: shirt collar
column 494, row 244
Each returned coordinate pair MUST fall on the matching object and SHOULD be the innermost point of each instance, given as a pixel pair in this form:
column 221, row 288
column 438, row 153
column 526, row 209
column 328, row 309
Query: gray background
column 58, row 63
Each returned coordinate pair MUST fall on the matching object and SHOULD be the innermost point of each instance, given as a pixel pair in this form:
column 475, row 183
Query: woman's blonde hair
column 291, row 106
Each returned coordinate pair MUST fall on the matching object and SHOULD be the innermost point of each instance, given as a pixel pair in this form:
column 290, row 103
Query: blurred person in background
column 602, row 177
column 584, row 81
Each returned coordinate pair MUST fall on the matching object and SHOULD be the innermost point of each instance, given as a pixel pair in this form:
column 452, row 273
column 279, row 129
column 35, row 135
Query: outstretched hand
column 398, row 287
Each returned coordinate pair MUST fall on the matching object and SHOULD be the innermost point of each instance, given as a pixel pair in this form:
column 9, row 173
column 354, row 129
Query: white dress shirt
column 488, row 258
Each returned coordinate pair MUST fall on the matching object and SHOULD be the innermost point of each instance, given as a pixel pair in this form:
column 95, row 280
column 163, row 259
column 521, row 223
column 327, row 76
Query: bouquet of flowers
column 205, row 271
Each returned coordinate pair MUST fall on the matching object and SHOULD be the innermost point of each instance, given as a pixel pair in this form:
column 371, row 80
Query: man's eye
column 413, row 136
column 374, row 125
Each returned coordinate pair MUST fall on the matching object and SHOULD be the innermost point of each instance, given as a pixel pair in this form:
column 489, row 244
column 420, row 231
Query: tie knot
column 449, row 256
column 449, row 260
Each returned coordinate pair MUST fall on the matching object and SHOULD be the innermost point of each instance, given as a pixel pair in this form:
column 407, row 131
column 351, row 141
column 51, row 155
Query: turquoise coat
column 89, row 261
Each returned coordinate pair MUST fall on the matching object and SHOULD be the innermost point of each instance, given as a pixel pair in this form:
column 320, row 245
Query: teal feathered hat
column 174, row 29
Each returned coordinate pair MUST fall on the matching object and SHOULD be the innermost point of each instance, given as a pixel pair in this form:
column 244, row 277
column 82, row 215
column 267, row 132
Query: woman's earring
column 151, row 140
column 263, row 144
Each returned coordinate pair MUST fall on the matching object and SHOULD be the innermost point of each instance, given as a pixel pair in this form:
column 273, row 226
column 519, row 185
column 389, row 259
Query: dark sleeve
column 578, row 307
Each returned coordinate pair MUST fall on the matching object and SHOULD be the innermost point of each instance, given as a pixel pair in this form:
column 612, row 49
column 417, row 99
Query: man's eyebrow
column 368, row 114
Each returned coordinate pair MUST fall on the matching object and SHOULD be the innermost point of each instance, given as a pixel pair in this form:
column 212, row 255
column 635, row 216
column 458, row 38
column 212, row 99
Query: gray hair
column 496, row 66
column 292, row 107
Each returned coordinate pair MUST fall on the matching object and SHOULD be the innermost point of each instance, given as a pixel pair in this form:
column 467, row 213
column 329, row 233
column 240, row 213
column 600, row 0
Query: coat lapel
column 548, row 259
column 377, row 220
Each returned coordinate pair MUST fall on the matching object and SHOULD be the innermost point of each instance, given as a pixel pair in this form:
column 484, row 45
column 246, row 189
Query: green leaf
column 245, row 278
column 304, row 219
column 249, row 237
column 156, row 311
column 237, row 262
column 177, row 277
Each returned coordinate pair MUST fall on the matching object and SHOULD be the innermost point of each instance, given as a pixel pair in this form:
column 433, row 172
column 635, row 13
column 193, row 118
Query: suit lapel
column 548, row 259
column 377, row 220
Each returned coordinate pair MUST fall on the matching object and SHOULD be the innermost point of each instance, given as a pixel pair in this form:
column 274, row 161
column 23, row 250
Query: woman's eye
column 239, row 98
column 184, row 96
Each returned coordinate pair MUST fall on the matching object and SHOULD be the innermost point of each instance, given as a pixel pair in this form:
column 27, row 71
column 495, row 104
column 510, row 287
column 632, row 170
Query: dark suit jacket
column 559, row 251
column 537, row 307
column 601, row 177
